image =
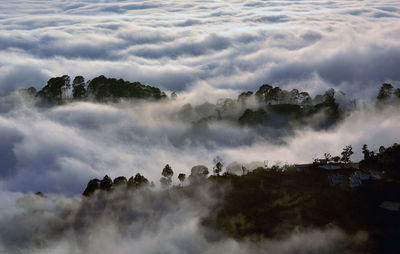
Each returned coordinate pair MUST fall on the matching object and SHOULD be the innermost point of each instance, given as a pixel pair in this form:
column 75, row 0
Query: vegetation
column 269, row 106
column 347, row 152
column 265, row 202
column 273, row 202
column 251, row 117
column 385, row 92
column 58, row 90
column 182, row 178
column 387, row 159
column 167, row 174
column 218, row 165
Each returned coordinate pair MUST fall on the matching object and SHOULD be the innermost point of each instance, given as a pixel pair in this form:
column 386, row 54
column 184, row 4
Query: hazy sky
column 352, row 45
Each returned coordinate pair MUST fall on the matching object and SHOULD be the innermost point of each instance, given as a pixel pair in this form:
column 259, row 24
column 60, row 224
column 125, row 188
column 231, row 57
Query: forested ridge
column 269, row 106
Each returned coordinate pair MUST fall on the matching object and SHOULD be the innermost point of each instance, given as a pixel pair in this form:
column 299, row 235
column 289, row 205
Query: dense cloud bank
column 140, row 222
column 352, row 45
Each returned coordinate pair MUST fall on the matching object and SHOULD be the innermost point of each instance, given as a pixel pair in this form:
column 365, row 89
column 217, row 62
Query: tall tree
column 346, row 154
column 385, row 92
column 56, row 89
column 328, row 157
column 138, row 181
column 167, row 174
column 218, row 165
column 78, row 88
column 182, row 178
column 397, row 93
column 366, row 152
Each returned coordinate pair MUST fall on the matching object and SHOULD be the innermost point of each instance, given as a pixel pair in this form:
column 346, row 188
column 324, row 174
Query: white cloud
column 154, row 222
column 176, row 45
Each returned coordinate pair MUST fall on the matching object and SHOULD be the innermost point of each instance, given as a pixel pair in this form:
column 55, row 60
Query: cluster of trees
column 387, row 93
column 387, row 159
column 291, row 106
column 275, row 95
column 344, row 158
column 273, row 203
column 270, row 106
column 275, row 107
column 60, row 89
column 198, row 173
column 253, row 117
column 107, row 184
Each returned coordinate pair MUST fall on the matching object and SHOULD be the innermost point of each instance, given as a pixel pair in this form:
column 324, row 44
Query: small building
column 391, row 206
column 302, row 167
column 363, row 175
column 323, row 161
column 354, row 181
column 335, row 179
column 330, row 167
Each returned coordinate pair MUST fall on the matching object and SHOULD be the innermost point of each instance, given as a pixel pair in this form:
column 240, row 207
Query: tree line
column 60, row 90
column 386, row 158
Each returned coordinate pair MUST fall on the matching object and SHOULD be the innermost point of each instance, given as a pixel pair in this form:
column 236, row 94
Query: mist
column 208, row 53
column 140, row 222
column 57, row 149
column 350, row 45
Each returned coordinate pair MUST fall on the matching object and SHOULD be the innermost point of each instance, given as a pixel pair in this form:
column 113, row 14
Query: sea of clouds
column 350, row 45
column 204, row 50
column 59, row 149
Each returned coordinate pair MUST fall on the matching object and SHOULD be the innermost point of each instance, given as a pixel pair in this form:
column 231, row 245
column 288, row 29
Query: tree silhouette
column 251, row 117
column 174, row 96
column 385, row 92
column 346, row 153
column 336, row 159
column 328, row 157
column 366, row 152
column 397, row 93
column 106, row 183
column 56, row 90
column 78, row 88
column 137, row 181
column 182, row 178
column 198, row 173
column 218, row 165
column 167, row 174
column 103, row 88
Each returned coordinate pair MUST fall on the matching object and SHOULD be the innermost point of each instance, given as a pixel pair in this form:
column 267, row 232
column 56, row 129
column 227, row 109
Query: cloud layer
column 63, row 147
column 352, row 45
column 203, row 50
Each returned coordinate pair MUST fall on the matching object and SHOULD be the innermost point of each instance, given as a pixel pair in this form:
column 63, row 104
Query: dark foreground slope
column 272, row 204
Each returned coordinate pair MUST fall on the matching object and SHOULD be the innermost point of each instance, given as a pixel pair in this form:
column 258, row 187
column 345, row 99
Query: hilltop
column 268, row 107
column 273, row 202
